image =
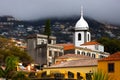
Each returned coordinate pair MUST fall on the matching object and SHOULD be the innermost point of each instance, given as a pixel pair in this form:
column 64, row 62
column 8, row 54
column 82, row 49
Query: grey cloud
column 104, row 10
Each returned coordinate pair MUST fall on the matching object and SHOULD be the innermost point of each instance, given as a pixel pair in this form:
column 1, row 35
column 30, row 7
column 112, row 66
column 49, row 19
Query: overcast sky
column 104, row 10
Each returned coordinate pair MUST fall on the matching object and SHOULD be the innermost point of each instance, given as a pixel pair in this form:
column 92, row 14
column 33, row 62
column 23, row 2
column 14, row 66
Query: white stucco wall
column 94, row 47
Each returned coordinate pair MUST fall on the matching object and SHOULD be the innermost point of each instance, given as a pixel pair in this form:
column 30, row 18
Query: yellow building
column 111, row 65
column 73, row 66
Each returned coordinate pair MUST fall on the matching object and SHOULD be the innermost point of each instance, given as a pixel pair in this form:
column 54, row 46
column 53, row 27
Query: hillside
column 61, row 28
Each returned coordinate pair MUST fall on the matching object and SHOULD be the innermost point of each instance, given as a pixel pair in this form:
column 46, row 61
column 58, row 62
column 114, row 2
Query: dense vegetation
column 11, row 63
column 8, row 48
column 9, row 71
column 111, row 45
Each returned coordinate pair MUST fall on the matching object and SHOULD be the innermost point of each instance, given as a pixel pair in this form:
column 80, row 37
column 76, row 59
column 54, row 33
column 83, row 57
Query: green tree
column 11, row 63
column 23, row 56
column 47, row 29
column 111, row 45
column 8, row 48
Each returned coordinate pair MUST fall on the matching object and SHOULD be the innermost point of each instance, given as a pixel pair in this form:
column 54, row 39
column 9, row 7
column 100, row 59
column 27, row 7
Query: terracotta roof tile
column 73, row 56
column 115, row 56
column 67, row 46
column 91, row 43
column 78, row 63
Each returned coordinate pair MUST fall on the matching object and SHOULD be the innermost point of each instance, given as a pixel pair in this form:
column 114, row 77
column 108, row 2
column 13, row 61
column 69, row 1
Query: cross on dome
column 81, row 11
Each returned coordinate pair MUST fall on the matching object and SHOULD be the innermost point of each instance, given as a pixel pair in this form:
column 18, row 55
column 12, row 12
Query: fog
column 101, row 10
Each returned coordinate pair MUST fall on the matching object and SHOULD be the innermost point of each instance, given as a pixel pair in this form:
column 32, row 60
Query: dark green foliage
column 111, row 45
column 20, row 76
column 47, row 29
column 99, row 75
column 11, row 63
column 8, row 48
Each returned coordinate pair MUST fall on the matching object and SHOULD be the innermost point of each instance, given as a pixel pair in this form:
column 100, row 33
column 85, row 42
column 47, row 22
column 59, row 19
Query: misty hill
column 61, row 28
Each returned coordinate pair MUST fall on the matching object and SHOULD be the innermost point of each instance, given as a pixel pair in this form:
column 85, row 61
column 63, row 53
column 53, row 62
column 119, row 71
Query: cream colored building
column 42, row 52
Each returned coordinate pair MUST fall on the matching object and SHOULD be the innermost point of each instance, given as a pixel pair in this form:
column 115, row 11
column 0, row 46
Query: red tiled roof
column 73, row 56
column 91, row 43
column 113, row 57
column 67, row 46
column 77, row 63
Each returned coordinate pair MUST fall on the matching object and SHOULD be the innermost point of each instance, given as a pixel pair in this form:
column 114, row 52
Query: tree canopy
column 111, row 45
column 8, row 48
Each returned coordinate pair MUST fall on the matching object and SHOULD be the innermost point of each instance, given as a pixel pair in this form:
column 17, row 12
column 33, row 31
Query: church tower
column 81, row 34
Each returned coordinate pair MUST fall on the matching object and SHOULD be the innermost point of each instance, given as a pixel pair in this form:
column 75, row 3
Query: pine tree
column 47, row 29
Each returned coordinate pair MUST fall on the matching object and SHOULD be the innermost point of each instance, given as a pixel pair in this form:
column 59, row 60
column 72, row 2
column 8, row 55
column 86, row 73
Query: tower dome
column 82, row 23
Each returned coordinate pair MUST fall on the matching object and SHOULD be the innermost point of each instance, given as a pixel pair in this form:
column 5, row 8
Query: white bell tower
column 81, row 34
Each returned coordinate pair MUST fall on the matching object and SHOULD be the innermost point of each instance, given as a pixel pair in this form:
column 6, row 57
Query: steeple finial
column 81, row 11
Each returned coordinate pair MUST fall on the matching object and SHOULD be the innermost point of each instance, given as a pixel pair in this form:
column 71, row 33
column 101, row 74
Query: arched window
column 79, row 36
column 88, row 54
column 93, row 55
column 78, row 52
column 83, row 53
column 88, row 37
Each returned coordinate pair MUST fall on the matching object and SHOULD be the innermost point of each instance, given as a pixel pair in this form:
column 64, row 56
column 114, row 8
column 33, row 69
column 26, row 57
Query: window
column 88, row 37
column 56, row 54
column 96, row 47
column 43, row 74
column 50, row 53
column 60, row 53
column 101, row 56
column 70, row 74
column 42, row 41
column 79, row 77
column 78, row 52
column 83, row 53
column 79, row 36
column 88, row 54
column 49, row 41
column 59, row 76
column 110, row 67
column 93, row 55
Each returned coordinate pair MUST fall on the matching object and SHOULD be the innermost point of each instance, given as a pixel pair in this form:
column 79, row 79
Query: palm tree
column 99, row 75
column 20, row 76
column 11, row 63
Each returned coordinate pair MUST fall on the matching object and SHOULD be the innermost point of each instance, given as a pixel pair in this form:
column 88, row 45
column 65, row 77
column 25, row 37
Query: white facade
column 90, row 53
column 83, row 36
column 96, row 47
